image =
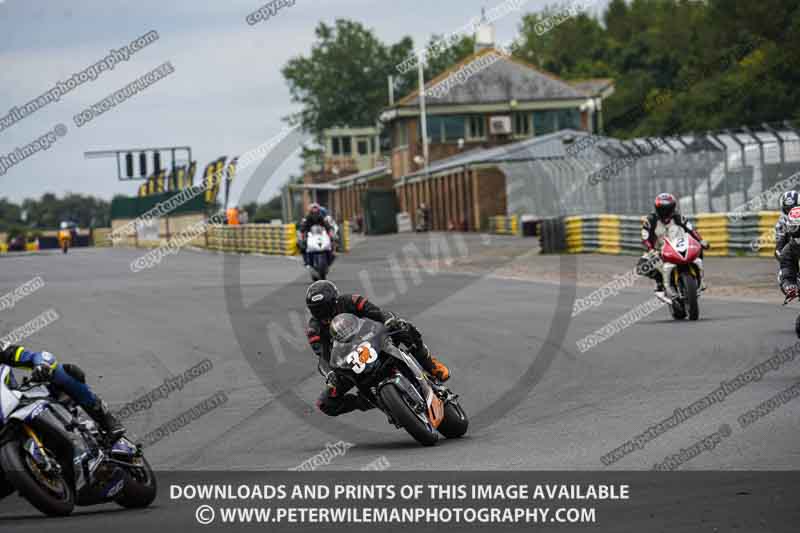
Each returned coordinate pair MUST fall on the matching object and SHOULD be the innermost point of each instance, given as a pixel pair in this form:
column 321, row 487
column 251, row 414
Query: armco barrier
column 737, row 234
column 504, row 225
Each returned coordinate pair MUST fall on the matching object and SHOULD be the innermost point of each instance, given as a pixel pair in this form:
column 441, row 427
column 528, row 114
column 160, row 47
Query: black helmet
column 788, row 201
column 321, row 299
column 344, row 327
column 665, row 206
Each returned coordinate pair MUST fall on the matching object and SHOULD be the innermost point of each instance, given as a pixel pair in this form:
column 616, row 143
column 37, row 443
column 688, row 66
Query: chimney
column 484, row 34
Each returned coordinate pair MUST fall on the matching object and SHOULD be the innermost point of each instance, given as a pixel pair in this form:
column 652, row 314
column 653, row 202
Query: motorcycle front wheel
column 403, row 414
column 321, row 265
column 689, row 283
column 49, row 493
column 140, row 487
column 455, row 421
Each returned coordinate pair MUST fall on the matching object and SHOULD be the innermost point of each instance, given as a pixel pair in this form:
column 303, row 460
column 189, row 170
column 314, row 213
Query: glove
column 704, row 244
column 41, row 373
column 395, row 322
column 790, row 290
column 332, row 381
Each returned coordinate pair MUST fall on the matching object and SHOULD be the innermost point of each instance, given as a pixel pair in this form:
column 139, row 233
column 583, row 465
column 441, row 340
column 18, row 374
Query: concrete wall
column 168, row 227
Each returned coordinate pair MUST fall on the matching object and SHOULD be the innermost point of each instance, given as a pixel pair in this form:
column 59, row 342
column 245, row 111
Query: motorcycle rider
column 315, row 217
column 655, row 227
column 68, row 378
column 789, row 199
column 325, row 302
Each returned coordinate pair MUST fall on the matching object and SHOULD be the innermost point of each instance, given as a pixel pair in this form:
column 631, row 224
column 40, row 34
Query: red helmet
column 665, row 206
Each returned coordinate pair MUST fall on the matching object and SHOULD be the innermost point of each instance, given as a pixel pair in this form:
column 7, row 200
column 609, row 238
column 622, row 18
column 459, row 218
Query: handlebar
column 28, row 382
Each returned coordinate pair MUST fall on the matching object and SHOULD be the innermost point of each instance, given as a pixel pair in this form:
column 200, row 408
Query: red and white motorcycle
column 681, row 268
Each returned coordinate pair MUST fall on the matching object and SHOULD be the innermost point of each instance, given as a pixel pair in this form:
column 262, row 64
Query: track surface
column 130, row 331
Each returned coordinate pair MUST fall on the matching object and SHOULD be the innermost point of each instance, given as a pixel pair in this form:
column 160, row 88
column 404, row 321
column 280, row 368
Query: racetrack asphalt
column 131, row 331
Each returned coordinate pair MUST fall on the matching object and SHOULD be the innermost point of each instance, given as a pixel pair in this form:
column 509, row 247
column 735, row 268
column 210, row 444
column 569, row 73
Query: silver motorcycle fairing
column 43, row 413
column 9, row 398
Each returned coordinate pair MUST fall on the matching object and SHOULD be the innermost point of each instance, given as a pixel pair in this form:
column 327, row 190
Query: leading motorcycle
column 365, row 355
column 679, row 255
column 319, row 248
column 56, row 457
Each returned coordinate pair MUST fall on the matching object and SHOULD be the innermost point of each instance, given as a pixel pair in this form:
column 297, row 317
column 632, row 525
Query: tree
column 679, row 65
column 49, row 211
column 343, row 82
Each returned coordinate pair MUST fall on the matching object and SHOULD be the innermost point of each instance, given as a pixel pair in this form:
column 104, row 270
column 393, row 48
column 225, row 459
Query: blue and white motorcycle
column 56, row 457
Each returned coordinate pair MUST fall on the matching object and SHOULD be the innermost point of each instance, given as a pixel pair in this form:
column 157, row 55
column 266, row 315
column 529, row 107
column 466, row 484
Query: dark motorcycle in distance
column 389, row 378
column 56, row 457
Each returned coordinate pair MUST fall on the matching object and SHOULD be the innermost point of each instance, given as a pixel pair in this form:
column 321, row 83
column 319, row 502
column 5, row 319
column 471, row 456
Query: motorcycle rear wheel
column 19, row 474
column 403, row 414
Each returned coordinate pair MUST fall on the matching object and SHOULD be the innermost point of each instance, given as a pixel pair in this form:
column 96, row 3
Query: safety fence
column 735, row 234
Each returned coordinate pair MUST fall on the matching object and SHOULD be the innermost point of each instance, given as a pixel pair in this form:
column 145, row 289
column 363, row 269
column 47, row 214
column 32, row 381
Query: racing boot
column 660, row 289
column 107, row 421
column 433, row 366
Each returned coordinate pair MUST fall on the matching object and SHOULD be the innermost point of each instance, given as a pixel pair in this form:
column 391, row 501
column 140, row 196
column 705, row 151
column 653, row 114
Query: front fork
column 35, row 449
column 670, row 272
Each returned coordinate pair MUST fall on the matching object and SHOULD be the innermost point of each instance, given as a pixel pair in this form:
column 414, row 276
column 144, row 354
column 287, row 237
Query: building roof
column 593, row 87
column 361, row 176
column 550, row 145
column 506, row 78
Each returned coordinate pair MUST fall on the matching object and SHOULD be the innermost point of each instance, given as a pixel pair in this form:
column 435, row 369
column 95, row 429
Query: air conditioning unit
column 500, row 125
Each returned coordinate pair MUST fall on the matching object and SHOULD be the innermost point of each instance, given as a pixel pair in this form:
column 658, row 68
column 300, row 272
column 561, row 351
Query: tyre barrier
column 504, row 225
column 345, row 236
column 274, row 239
column 734, row 234
column 553, row 238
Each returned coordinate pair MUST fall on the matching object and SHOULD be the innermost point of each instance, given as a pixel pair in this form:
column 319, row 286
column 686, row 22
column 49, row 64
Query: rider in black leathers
column 790, row 254
column 325, row 302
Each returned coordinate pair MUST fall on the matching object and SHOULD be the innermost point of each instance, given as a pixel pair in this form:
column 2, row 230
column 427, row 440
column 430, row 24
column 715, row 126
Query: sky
column 225, row 96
